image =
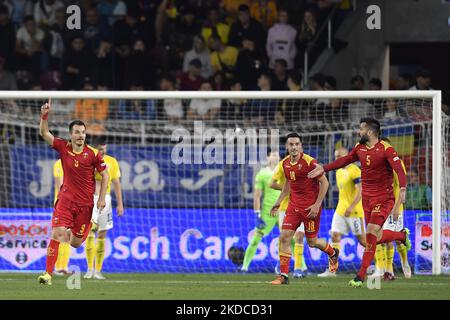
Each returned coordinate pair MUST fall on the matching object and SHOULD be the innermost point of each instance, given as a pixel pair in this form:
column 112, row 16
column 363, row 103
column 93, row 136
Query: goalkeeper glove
column 260, row 224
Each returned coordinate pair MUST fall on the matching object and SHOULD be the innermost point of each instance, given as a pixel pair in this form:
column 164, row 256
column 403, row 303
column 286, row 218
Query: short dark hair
column 376, row 82
column 281, row 61
column 293, row 135
column 295, row 77
column 76, row 123
column 244, row 8
column 3, row 9
column 373, row 124
column 28, row 18
column 99, row 141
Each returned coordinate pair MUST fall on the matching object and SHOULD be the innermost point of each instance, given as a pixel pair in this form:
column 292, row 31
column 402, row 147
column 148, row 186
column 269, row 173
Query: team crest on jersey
column 299, row 167
column 85, row 155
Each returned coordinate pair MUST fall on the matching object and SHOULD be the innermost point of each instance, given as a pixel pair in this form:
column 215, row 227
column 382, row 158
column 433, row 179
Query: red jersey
column 79, row 175
column 303, row 191
column 377, row 164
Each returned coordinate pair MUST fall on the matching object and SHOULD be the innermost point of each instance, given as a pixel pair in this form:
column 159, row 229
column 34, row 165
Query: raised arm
column 43, row 126
column 336, row 164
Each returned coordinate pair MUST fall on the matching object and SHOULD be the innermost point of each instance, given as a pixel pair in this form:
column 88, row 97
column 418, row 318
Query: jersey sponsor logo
column 376, row 209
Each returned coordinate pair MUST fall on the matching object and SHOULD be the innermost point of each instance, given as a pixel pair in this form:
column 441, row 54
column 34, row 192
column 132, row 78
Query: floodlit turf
column 219, row 286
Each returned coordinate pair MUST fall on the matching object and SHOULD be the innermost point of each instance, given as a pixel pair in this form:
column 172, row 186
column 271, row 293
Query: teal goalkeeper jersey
column 270, row 196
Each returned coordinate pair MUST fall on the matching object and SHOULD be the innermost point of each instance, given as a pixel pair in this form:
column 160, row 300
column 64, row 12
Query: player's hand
column 274, row 210
column 395, row 215
column 260, row 224
column 348, row 212
column 402, row 195
column 317, row 171
column 120, row 210
column 45, row 108
column 313, row 211
column 101, row 204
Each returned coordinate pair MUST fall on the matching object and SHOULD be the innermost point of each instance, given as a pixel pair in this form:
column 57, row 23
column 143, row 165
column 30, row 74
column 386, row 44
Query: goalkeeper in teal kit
column 265, row 222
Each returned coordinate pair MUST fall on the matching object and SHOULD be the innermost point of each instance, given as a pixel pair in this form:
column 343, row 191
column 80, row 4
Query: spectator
column 102, row 74
column 213, row 25
column 29, row 40
column 140, row 69
column 247, row 28
column 232, row 7
column 7, row 38
column 92, row 111
column 265, row 11
column 19, row 9
column 204, row 109
column 357, row 83
column 358, row 109
column 110, row 9
column 280, row 75
column 199, row 51
column 375, row 84
column 281, row 41
column 295, row 9
column 77, row 64
column 192, row 79
column 330, row 83
column 45, row 12
column 318, row 108
column 223, row 57
column 7, row 79
column 291, row 110
column 391, row 112
column 404, row 82
column 60, row 27
column 258, row 111
column 137, row 109
column 419, row 194
column 186, row 28
column 173, row 108
column 220, row 82
column 306, row 34
column 231, row 109
column 337, row 112
column 95, row 29
column 250, row 62
column 423, row 80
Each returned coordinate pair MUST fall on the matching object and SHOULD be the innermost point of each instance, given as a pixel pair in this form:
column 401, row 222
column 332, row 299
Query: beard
column 364, row 139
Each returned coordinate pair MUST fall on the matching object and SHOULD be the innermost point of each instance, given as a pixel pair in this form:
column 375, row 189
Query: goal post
column 216, row 186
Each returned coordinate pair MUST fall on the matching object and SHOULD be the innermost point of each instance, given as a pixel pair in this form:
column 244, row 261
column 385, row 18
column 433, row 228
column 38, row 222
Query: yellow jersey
column 396, row 186
column 279, row 177
column 113, row 171
column 346, row 179
column 57, row 173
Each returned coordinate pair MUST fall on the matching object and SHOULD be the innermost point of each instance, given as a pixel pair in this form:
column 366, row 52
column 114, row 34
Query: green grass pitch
column 24, row 286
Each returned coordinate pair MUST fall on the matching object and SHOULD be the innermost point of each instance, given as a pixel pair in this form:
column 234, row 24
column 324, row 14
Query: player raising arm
column 71, row 220
column 305, row 206
column 378, row 159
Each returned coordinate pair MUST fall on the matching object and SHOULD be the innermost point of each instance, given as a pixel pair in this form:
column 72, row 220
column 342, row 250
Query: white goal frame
column 435, row 95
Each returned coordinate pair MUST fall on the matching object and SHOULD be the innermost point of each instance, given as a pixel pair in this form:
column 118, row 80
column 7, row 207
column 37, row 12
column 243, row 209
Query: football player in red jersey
column 378, row 158
column 71, row 220
column 305, row 206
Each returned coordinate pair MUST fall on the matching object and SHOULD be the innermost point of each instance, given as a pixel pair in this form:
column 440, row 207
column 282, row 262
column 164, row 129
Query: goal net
column 188, row 162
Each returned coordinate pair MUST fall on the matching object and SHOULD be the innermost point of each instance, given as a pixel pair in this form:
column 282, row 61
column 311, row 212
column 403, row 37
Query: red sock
column 368, row 255
column 285, row 259
column 389, row 236
column 329, row 250
column 52, row 255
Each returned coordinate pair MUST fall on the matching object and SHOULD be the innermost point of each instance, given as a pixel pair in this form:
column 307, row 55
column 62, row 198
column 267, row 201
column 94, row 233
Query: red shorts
column 72, row 216
column 376, row 210
column 296, row 216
